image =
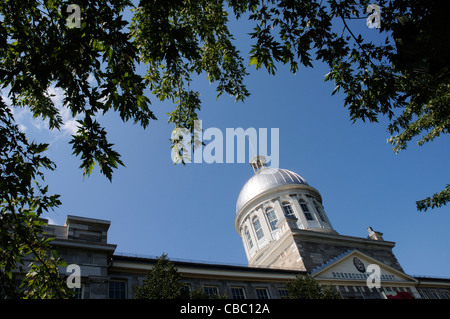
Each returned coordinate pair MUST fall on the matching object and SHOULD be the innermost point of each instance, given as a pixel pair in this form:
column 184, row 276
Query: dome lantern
column 258, row 163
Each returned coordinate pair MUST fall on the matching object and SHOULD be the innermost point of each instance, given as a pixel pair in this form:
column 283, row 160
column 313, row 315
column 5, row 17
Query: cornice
column 72, row 243
column 330, row 238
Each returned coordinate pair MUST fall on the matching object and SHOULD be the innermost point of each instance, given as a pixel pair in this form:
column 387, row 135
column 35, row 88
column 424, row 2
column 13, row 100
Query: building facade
column 285, row 232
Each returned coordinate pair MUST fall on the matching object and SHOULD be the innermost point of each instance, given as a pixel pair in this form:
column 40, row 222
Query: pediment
column 355, row 266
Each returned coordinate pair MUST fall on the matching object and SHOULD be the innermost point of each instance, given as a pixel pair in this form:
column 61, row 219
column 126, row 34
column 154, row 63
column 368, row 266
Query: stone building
column 282, row 223
column 285, row 232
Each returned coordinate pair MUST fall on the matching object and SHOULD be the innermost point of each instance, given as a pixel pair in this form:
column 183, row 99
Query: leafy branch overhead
column 22, row 201
column 94, row 65
column 404, row 78
column 177, row 39
column 404, row 75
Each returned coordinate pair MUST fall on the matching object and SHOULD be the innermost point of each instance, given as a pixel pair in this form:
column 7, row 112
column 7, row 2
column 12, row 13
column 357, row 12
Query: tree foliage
column 162, row 282
column 179, row 39
column 93, row 65
column 306, row 287
column 26, row 254
column 405, row 78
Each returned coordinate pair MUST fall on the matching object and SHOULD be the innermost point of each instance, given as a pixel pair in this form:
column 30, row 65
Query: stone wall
column 315, row 254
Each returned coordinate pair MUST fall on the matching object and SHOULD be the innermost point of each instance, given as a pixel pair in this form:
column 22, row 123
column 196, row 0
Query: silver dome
column 265, row 179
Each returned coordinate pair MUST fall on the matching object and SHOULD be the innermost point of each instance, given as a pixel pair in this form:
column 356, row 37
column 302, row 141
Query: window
column 249, row 238
column 237, row 293
column 258, row 228
column 287, row 209
column 78, row 293
column 433, row 294
column 210, row 291
column 319, row 212
column 272, row 218
column 262, row 293
column 117, row 289
column 445, row 293
column 186, row 290
column 423, row 294
column 305, row 210
column 283, row 293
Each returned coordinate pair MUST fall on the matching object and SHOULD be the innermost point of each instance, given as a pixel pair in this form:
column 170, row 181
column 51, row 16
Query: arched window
column 272, row 218
column 319, row 212
column 249, row 238
column 287, row 209
column 305, row 209
column 258, row 229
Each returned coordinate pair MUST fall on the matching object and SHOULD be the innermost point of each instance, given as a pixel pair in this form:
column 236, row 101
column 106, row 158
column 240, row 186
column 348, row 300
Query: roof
column 204, row 269
column 264, row 180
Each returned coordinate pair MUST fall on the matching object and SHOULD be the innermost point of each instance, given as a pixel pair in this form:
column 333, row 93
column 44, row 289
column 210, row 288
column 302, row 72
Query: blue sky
column 188, row 211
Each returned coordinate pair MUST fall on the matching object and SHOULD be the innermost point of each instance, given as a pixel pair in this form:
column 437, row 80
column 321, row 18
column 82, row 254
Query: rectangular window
column 262, row 293
column 78, row 293
column 308, row 216
column 319, row 212
column 249, row 238
column 258, row 229
column 287, row 209
column 304, row 207
column 305, row 210
column 237, row 293
column 272, row 218
column 423, row 294
column 434, row 294
column 211, row 291
column 283, row 293
column 117, row 289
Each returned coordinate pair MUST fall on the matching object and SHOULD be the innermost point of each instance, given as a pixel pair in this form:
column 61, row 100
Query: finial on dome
column 258, row 163
column 375, row 235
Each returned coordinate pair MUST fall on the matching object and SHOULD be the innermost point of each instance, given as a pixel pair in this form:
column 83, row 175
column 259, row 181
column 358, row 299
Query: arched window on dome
column 305, row 209
column 319, row 212
column 272, row 218
column 287, row 209
column 249, row 238
column 258, row 229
